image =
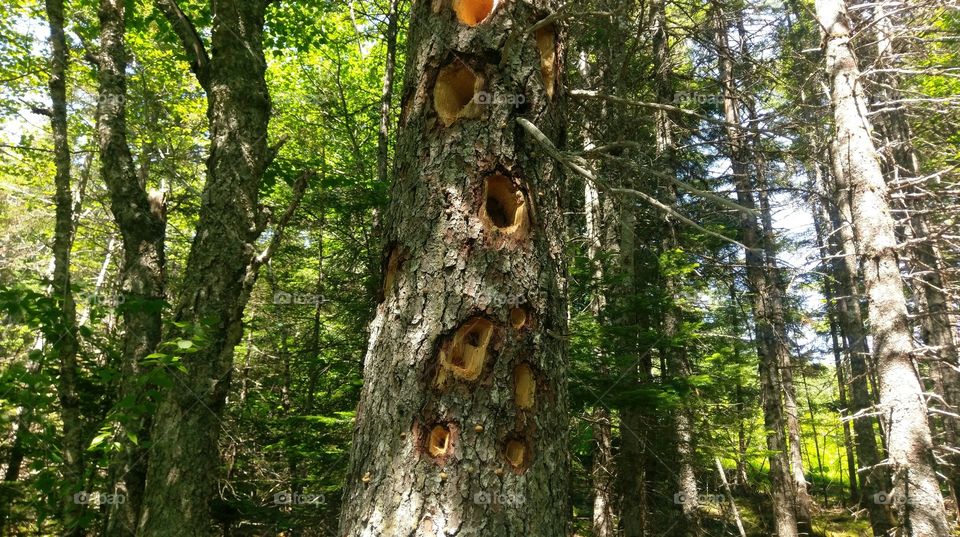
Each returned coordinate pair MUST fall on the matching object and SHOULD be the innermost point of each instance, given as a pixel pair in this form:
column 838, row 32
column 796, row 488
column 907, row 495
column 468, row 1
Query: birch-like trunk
column 916, row 492
column 461, row 427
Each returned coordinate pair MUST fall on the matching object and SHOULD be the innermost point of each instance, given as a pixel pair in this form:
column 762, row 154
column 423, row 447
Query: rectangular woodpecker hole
column 473, row 12
column 504, row 206
column 524, row 387
column 546, row 39
column 467, row 352
column 453, row 93
column 438, row 443
column 390, row 276
column 516, row 453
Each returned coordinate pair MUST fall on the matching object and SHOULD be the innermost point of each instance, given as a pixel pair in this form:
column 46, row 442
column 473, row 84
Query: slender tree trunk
column 63, row 336
column 919, row 507
column 386, row 96
column 141, row 221
column 783, row 490
column 902, row 164
column 462, row 420
column 840, row 248
column 673, row 352
column 820, row 224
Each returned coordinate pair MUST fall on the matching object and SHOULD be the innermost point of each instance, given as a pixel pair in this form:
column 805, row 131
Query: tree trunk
column 221, row 269
column 462, row 420
column 763, row 294
column 843, row 267
column 674, row 353
column 64, row 334
column 919, row 504
column 820, row 224
column 141, row 221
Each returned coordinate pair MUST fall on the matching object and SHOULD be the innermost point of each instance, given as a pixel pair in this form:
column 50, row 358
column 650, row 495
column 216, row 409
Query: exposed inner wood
column 518, row 318
column 546, row 43
column 473, row 12
column 453, row 94
column 504, row 207
column 438, row 444
column 524, row 386
column 466, row 353
column 516, row 452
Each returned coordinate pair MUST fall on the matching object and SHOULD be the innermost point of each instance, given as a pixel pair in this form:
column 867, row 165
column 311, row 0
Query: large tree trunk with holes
column 462, row 420
column 916, row 492
column 141, row 222
column 220, row 272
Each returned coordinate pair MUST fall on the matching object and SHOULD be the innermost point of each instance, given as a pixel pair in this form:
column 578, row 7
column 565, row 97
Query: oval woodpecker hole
column 516, row 453
column 504, row 206
column 466, row 353
column 438, row 443
column 518, row 318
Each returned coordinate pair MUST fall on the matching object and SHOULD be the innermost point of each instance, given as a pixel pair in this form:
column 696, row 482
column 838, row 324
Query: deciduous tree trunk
column 919, row 507
column 221, row 269
column 461, row 427
column 140, row 218
column 63, row 337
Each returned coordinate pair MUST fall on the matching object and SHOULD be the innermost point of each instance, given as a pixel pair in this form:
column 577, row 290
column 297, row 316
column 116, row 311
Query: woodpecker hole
column 518, row 318
column 453, row 93
column 465, row 355
column 516, row 453
column 504, row 207
column 473, row 12
column 390, row 276
column 438, row 443
column 524, row 387
column 546, row 43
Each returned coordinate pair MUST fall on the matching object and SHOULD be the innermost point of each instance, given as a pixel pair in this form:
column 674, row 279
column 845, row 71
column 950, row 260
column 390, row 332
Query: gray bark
column 64, row 336
column 141, row 222
column 462, row 420
column 764, row 299
column 919, row 504
column 221, row 269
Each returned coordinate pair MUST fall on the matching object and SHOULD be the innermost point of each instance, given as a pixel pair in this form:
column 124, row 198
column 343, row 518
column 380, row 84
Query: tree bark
column 764, row 298
column 64, row 335
column 919, row 504
column 462, row 420
column 221, row 269
column 840, row 248
column 141, row 221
